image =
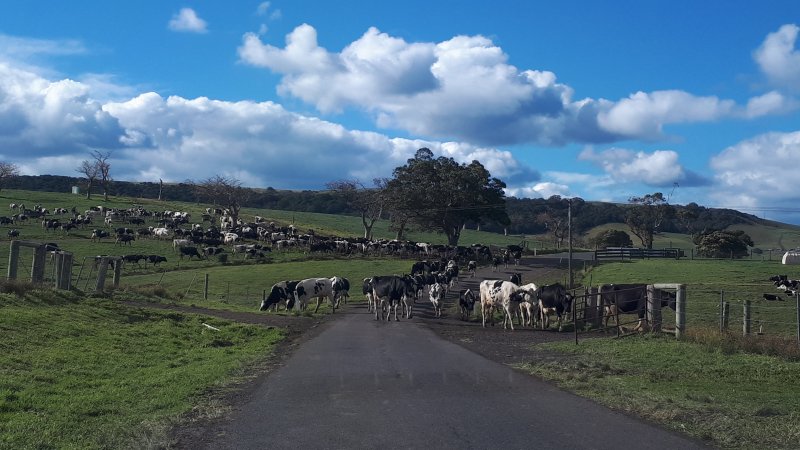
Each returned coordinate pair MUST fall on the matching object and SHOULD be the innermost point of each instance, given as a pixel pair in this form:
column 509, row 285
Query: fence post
column 797, row 300
column 726, row 314
column 680, row 311
column 653, row 309
column 746, row 320
column 721, row 311
column 205, row 289
column 101, row 275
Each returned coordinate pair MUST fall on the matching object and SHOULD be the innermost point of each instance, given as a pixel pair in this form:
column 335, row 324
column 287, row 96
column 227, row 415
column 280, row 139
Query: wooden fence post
column 680, row 312
column 797, row 301
column 721, row 311
column 653, row 309
column 746, row 320
column 725, row 318
column 205, row 289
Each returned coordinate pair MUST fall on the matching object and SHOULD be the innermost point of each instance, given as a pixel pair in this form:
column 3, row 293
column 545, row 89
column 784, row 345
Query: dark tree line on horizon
column 525, row 216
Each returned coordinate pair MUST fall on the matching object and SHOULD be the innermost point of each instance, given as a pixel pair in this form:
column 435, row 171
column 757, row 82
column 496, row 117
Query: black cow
column 516, row 278
column 156, row 259
column 630, row 299
column 420, row 267
column 553, row 298
column 133, row 258
column 123, row 239
column 282, row 291
column 388, row 291
column 466, row 303
column 12, row 233
column 190, row 252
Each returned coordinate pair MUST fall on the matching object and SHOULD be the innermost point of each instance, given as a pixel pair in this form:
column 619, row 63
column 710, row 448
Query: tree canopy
column 722, row 243
column 647, row 216
column 439, row 194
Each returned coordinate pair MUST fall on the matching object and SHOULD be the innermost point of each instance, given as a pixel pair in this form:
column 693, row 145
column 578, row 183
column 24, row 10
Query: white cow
column 437, row 292
column 529, row 304
column 502, row 295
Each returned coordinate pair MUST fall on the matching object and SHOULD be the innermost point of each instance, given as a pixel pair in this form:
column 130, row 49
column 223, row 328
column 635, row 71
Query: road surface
column 366, row 384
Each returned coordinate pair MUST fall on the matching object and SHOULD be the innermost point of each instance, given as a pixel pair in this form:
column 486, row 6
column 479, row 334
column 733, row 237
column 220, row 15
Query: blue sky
column 602, row 100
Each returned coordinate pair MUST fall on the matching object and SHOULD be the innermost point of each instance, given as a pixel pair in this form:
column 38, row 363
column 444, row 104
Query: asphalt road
column 366, row 384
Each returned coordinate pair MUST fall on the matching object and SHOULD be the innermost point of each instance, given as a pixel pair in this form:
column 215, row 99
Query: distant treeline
column 524, row 213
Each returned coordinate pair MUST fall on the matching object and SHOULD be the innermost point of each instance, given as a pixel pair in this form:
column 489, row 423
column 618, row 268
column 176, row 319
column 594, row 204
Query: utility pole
column 569, row 234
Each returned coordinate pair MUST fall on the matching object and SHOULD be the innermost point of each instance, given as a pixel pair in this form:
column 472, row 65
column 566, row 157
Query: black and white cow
column 553, row 298
column 500, row 295
column 366, row 289
column 472, row 266
column 631, row 299
column 466, row 303
column 387, row 292
column 282, row 291
column 341, row 289
column 318, row 288
column 437, row 293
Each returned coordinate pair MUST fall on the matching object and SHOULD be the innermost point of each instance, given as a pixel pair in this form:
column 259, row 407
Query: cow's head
column 277, row 294
column 668, row 298
column 567, row 299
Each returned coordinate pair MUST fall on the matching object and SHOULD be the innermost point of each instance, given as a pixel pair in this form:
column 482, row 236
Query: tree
column 225, row 192
column 722, row 243
column 442, row 195
column 7, row 172
column 104, row 169
column 367, row 202
column 613, row 238
column 647, row 216
column 90, row 171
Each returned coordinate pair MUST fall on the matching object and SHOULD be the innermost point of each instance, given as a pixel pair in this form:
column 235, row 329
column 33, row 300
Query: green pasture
column 708, row 282
column 240, row 287
column 726, row 398
column 89, row 373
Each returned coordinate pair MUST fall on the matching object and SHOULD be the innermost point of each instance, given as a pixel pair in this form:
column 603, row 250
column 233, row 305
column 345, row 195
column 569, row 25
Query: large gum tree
column 439, row 194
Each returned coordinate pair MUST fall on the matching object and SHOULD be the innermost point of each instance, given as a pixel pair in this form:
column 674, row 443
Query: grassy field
column 122, row 374
column 240, row 288
column 708, row 282
column 88, row 373
column 727, row 398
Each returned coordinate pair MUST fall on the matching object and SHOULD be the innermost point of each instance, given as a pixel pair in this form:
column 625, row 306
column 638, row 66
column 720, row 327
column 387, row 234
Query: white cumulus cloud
column 779, row 58
column 464, row 89
column 659, row 168
column 758, row 171
column 187, row 20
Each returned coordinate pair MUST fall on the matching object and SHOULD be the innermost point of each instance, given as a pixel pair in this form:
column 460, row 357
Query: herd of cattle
column 529, row 304
column 783, row 283
column 436, row 276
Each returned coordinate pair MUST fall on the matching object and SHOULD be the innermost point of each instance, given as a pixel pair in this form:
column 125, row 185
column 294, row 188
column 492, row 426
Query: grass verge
column 727, row 398
column 88, row 373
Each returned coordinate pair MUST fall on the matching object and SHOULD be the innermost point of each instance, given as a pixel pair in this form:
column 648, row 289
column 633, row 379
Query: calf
column 553, row 298
column 529, row 305
column 466, row 303
column 366, row 289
